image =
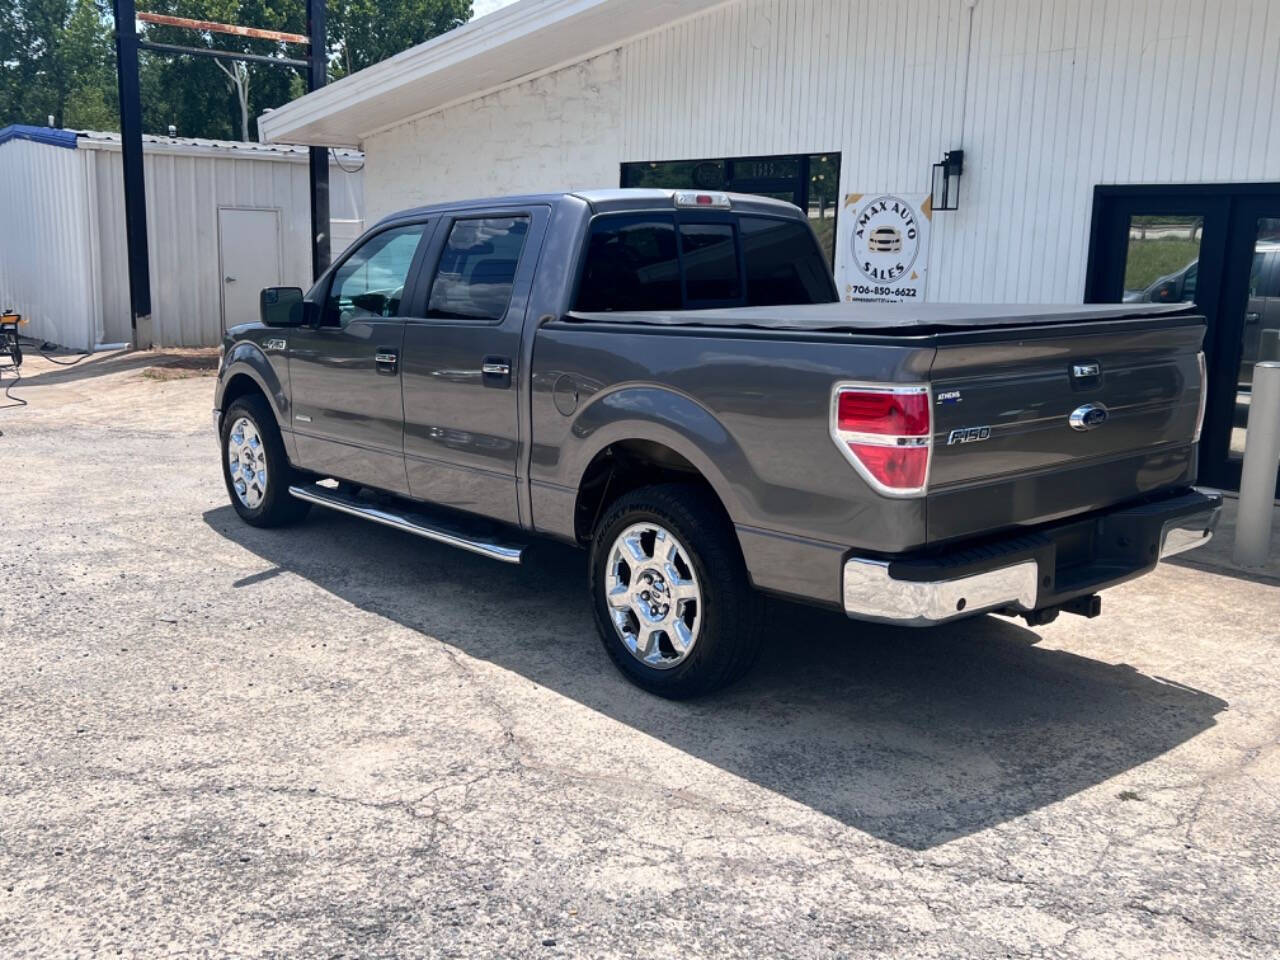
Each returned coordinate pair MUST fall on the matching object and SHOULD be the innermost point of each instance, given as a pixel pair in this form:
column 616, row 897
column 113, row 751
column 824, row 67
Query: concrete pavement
column 338, row 740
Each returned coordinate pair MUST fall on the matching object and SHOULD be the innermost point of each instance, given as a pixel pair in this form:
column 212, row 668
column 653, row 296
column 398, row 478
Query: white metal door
column 249, row 257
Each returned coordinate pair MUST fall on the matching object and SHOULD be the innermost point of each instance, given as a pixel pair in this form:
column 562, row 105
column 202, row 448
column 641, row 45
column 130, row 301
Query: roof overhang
column 524, row 39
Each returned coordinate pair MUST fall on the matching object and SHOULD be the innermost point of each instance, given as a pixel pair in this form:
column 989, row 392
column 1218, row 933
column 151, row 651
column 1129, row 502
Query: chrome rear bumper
column 1022, row 576
column 871, row 593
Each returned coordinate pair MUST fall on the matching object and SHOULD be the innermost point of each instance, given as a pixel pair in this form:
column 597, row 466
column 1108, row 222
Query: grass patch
column 183, row 365
column 1149, row 260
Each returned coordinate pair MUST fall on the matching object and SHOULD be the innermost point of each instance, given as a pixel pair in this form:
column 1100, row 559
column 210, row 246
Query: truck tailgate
column 1005, row 452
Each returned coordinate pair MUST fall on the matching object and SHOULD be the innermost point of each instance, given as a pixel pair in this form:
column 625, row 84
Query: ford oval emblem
column 1088, row 416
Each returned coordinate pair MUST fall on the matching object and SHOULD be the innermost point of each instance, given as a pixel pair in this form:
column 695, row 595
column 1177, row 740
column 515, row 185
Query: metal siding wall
column 1062, row 95
column 184, row 192
column 45, row 270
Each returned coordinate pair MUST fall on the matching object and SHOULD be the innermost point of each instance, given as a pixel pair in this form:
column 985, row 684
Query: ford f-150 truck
column 668, row 379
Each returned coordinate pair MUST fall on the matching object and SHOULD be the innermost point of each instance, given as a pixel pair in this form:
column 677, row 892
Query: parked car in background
column 1260, row 339
column 667, row 380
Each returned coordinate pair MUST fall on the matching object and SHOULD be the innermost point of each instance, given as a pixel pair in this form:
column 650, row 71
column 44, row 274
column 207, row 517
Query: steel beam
column 135, row 193
column 173, row 48
column 210, row 26
column 317, row 76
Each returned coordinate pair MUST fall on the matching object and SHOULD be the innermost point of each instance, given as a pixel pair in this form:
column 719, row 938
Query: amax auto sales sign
column 887, row 246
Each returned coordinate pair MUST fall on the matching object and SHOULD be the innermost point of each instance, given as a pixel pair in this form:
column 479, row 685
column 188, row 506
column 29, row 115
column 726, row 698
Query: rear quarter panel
column 749, row 409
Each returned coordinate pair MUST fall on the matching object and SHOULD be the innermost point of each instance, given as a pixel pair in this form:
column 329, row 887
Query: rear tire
column 669, row 588
column 255, row 467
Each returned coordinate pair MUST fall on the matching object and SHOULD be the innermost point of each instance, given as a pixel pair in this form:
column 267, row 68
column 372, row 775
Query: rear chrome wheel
column 247, row 463
column 670, row 591
column 653, row 595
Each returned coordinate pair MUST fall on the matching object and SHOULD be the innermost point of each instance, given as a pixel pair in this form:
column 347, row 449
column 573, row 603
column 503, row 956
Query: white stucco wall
column 556, row 132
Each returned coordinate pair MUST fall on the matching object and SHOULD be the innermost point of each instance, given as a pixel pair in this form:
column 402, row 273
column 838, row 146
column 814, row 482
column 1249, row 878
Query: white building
column 223, row 220
column 1111, row 147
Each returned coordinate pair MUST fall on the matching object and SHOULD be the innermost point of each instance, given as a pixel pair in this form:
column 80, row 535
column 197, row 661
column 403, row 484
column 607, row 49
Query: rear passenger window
column 710, row 261
column 478, row 268
column 784, row 263
column 631, row 264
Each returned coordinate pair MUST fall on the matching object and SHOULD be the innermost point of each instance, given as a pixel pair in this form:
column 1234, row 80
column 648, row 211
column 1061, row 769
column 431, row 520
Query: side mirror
column 284, row 307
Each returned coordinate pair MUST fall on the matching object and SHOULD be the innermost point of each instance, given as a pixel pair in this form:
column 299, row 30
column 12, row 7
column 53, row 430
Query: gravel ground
column 338, row 740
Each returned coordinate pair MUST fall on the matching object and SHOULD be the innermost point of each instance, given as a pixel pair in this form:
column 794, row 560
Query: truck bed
column 909, row 318
column 1003, row 381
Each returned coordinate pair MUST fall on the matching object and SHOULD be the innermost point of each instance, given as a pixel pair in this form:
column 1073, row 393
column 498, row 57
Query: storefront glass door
column 1217, row 246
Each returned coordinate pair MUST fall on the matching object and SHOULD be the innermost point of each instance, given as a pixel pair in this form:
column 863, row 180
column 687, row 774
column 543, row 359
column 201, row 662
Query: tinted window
column 1189, row 280
column 1265, row 278
column 477, row 268
column 631, row 265
column 710, row 261
column 784, row 264
column 370, row 282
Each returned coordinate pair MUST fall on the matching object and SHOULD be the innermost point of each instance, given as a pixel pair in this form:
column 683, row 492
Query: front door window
column 370, row 282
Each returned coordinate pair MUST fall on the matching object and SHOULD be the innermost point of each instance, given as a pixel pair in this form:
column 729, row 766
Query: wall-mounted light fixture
column 946, row 180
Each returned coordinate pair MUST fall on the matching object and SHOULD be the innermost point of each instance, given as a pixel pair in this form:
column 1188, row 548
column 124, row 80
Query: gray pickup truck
column 668, row 379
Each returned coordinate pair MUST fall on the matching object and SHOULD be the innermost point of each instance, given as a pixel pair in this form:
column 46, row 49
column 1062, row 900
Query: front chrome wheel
column 247, row 462
column 653, row 595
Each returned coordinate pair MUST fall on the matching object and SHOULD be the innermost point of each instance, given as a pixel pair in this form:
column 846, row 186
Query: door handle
column 1252, row 317
column 229, row 279
column 496, row 372
column 386, row 360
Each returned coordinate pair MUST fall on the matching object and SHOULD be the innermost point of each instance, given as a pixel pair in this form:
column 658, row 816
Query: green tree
column 363, row 32
column 56, row 60
column 57, row 57
column 201, row 98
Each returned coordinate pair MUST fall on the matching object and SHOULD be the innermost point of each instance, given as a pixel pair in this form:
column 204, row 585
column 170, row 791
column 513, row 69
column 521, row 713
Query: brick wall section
column 557, row 132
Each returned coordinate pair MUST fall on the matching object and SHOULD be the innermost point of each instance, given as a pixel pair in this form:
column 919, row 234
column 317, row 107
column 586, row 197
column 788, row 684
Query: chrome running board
column 447, row 530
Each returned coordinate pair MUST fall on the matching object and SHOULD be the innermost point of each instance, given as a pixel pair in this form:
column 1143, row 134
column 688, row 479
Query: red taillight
column 886, row 434
column 897, row 414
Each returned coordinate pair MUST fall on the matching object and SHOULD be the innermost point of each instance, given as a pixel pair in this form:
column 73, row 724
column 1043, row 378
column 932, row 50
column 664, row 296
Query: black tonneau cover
column 861, row 317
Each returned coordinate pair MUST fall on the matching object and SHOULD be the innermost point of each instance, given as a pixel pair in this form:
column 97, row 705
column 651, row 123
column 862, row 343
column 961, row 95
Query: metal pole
column 135, row 193
column 1258, row 476
column 317, row 76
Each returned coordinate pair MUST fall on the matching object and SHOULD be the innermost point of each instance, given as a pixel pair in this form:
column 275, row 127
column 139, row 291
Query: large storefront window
column 810, row 181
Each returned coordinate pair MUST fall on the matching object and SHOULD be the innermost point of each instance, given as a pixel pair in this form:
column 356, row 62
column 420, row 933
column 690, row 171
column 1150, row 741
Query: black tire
column 731, row 619
column 277, row 507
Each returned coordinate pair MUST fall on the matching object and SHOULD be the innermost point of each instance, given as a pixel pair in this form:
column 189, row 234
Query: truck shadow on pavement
column 916, row 738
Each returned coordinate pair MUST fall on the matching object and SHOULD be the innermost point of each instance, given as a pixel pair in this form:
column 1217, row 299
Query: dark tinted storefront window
column 783, row 264
column 631, row 265
column 810, row 181
column 710, row 261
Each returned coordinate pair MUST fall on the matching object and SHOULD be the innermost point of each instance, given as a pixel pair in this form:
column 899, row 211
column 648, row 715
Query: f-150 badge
column 968, row 435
